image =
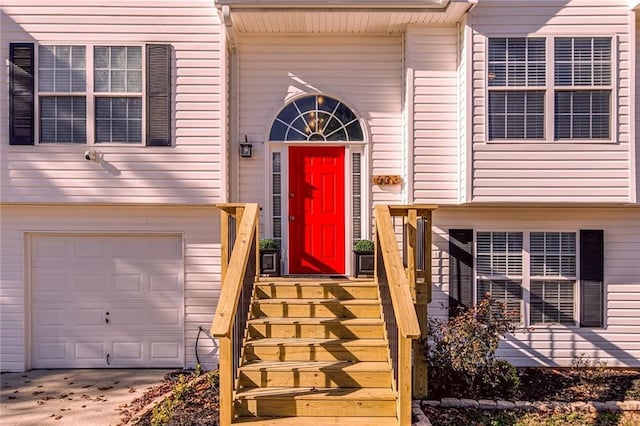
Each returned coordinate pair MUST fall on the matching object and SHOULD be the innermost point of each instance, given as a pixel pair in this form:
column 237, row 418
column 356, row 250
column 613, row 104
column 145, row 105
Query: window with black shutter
column 592, row 278
column 86, row 94
column 21, row 94
column 460, row 270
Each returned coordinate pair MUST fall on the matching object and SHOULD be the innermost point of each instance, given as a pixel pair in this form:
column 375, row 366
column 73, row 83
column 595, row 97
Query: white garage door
column 106, row 301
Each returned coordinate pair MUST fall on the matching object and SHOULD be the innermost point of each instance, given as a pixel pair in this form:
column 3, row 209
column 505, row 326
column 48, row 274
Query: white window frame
column 494, row 277
column 550, row 90
column 525, row 309
column 90, row 95
column 559, row 277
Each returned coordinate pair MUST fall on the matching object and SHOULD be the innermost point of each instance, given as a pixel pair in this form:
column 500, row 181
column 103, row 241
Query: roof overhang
column 334, row 4
column 634, row 4
column 338, row 16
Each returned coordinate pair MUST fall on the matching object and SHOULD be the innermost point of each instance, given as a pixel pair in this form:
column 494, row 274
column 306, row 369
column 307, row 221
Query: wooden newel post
column 422, row 299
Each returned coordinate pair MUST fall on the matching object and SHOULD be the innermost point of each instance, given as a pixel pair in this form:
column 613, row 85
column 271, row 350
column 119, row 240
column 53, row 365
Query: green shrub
column 268, row 244
column 163, row 413
column 460, row 353
column 363, row 245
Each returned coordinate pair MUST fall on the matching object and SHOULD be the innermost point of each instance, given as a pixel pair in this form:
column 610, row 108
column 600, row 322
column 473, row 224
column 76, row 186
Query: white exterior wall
column 432, row 60
column 529, row 171
column 200, row 230
column 619, row 342
column 191, row 171
column 637, row 105
column 365, row 72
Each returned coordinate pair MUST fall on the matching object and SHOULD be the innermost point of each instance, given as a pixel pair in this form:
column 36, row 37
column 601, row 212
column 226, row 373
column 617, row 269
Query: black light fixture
column 246, row 149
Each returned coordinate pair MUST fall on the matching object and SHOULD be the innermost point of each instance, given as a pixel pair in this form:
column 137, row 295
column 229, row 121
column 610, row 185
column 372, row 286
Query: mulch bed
column 537, row 384
column 596, row 384
column 555, row 384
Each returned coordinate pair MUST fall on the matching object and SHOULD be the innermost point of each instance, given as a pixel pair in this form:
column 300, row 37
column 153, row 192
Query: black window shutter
column 460, row 269
column 21, row 89
column 159, row 95
column 591, row 278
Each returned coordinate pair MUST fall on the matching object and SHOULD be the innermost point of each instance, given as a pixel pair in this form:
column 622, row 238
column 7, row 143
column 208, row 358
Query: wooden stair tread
column 316, row 366
column 343, row 321
column 314, row 421
column 310, row 341
column 311, row 393
column 315, row 281
column 323, row 301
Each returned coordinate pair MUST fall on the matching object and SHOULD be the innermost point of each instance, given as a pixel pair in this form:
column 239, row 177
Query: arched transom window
column 316, row 118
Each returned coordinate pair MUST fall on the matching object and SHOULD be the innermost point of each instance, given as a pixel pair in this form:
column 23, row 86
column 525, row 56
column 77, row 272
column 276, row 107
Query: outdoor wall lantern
column 246, row 149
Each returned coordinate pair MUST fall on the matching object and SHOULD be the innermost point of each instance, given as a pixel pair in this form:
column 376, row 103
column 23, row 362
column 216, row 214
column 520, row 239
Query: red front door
column 316, row 210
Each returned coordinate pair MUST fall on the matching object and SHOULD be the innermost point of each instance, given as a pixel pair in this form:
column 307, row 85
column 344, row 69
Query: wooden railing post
column 412, row 228
column 418, row 272
column 404, row 380
column 237, row 281
column 224, row 244
column 225, row 374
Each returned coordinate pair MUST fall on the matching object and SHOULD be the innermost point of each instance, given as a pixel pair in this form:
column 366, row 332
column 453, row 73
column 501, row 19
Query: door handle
column 292, row 218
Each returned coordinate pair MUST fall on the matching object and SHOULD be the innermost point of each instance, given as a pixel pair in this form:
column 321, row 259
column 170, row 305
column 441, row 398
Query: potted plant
column 269, row 257
column 364, row 252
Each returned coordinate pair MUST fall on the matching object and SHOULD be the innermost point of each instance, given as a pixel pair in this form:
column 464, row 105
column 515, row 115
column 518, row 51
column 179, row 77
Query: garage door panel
column 165, row 282
column 87, row 317
column 49, row 353
column 88, row 353
column 78, row 282
column 49, row 317
column 128, row 283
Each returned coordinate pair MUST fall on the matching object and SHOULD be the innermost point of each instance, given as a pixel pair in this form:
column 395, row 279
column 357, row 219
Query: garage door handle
column 108, row 359
column 106, row 320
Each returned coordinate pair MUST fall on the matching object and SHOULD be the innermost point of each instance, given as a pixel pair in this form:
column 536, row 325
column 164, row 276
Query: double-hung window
column 90, row 94
column 582, row 76
column 62, row 86
column 553, row 277
column 118, row 93
column 570, row 99
column 499, row 269
column 517, row 78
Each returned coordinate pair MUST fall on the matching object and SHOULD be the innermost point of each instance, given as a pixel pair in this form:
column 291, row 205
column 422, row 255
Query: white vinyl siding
column 273, row 69
column 190, row 171
column 432, row 55
column 618, row 343
column 200, row 231
column 577, row 170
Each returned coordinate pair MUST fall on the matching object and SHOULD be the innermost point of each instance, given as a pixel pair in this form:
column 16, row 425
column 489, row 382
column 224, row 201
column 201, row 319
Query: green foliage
column 183, row 388
column 214, row 379
column 363, row 245
column 460, row 353
column 163, row 413
column 268, row 244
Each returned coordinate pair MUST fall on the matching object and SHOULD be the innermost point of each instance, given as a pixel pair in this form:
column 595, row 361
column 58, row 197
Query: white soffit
column 634, row 4
column 335, row 16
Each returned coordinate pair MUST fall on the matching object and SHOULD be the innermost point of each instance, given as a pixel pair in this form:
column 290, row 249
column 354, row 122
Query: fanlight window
column 316, row 118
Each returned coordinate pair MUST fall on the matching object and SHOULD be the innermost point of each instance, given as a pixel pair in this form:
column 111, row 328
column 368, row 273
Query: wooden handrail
column 405, row 313
column 233, row 304
column 231, row 285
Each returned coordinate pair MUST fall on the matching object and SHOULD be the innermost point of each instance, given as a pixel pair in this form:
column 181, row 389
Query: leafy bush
column 363, row 245
column 460, row 353
column 268, row 244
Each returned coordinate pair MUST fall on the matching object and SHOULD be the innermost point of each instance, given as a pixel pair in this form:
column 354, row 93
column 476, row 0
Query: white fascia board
column 334, row 4
column 634, row 4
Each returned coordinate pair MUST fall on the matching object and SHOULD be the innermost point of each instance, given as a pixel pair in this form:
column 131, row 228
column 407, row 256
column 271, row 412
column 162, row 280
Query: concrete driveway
column 71, row 397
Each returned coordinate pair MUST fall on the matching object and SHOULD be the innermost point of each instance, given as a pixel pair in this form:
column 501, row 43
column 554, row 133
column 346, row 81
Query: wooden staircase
column 315, row 352
column 325, row 352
